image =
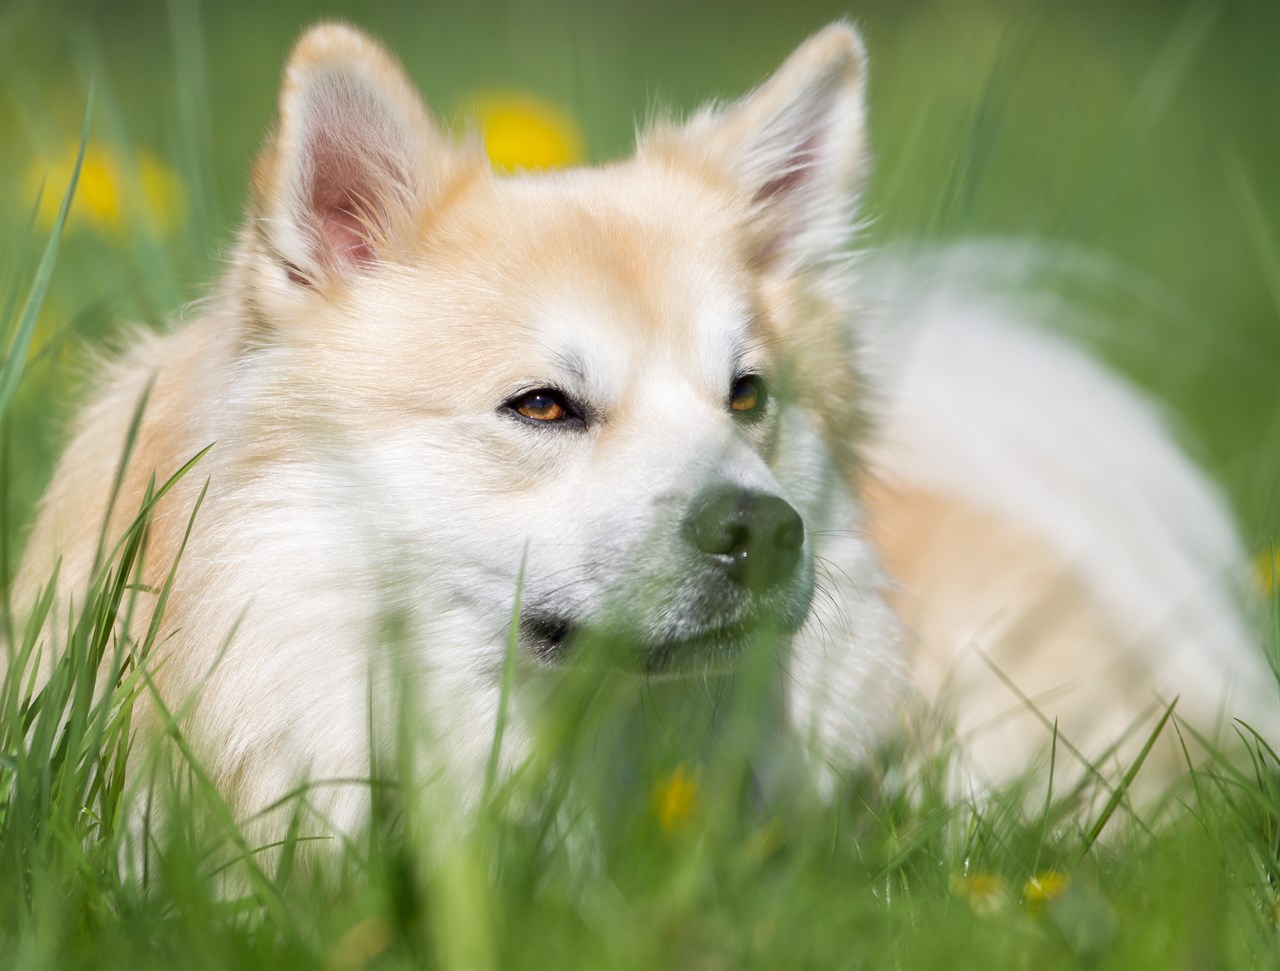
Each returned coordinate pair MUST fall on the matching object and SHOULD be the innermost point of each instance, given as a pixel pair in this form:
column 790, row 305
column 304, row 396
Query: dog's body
column 640, row 393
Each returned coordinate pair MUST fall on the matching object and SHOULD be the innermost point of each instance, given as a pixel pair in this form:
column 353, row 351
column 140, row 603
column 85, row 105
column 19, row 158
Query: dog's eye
column 544, row 406
column 748, row 396
column 541, row 406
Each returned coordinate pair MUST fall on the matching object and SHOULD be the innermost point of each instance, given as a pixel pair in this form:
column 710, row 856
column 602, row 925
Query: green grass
column 1144, row 133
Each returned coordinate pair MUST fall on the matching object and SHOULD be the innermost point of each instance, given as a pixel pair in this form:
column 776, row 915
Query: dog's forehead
column 602, row 264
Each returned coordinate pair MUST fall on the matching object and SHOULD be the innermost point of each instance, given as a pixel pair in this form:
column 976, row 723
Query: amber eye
column 748, row 396
column 546, row 406
column 540, row 406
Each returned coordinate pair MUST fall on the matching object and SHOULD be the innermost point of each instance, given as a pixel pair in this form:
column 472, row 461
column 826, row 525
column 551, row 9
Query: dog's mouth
column 557, row 640
column 545, row 635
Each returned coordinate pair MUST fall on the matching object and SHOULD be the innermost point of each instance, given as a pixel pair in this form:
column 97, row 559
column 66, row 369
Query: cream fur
column 369, row 507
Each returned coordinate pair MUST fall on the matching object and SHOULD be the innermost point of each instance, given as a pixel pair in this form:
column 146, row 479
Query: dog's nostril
column 716, row 524
column 756, row 537
column 737, row 538
column 789, row 532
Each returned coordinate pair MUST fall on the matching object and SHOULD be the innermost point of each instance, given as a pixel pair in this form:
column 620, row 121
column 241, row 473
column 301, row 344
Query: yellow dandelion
column 1267, row 568
column 985, row 892
column 114, row 193
column 1043, row 888
column 359, row 945
column 522, row 131
column 765, row 842
column 675, row 796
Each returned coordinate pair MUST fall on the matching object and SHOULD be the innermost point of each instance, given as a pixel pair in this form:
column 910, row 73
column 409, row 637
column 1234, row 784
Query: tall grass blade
column 1121, row 791
column 14, row 288
column 504, row 695
column 194, row 118
column 16, row 354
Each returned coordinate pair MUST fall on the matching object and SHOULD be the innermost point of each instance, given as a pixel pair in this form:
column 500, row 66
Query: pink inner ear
column 782, row 198
column 344, row 198
column 800, row 164
column 344, row 237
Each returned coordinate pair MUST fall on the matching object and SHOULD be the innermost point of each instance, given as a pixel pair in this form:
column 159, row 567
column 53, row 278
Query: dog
column 658, row 403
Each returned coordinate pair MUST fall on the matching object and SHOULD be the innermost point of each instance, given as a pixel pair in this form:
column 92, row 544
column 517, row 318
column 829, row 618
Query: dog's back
column 1060, row 559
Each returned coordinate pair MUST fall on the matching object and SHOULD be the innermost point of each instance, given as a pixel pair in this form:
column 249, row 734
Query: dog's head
column 627, row 384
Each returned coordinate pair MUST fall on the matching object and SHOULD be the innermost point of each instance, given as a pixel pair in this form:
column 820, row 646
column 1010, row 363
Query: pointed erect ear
column 795, row 148
column 351, row 160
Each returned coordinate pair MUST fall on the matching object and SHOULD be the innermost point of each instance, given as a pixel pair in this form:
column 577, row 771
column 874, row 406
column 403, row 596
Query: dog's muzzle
column 739, row 567
column 754, row 537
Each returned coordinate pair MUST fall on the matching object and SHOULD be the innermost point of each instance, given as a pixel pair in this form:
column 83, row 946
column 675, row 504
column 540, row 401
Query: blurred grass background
column 1146, row 132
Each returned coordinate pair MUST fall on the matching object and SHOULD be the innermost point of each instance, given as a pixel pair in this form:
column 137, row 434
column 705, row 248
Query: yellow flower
column 113, row 194
column 1043, row 888
column 674, row 798
column 765, row 842
column 1267, row 568
column 359, row 945
column 522, row 131
column 984, row 891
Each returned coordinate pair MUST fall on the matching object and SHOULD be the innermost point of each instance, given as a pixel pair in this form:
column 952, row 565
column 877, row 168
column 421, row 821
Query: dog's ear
column 795, row 148
column 351, row 161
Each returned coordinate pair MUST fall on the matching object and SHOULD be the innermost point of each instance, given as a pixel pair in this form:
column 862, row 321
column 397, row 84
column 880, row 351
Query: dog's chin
column 703, row 650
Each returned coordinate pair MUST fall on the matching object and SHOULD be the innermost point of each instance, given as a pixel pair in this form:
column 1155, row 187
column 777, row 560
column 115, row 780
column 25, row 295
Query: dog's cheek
column 803, row 463
column 473, row 495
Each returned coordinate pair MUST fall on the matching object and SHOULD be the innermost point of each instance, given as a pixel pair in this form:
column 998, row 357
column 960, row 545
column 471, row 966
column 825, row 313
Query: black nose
column 756, row 537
